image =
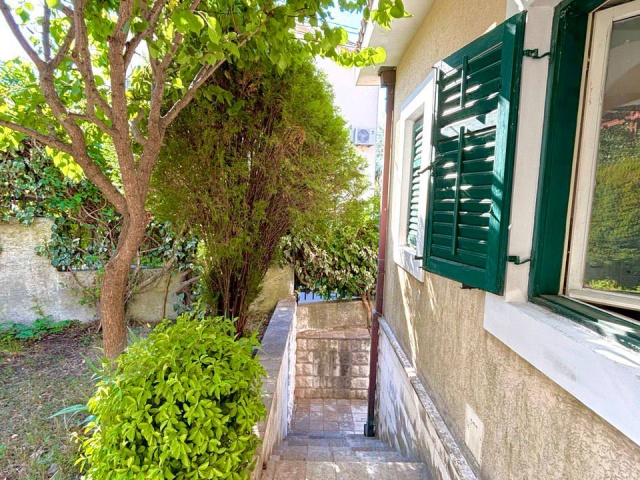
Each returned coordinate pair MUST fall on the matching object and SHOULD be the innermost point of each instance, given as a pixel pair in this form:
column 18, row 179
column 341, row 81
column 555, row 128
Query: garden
column 192, row 139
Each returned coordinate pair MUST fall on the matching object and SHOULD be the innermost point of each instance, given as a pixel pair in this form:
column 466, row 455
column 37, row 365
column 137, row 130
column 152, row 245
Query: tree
column 614, row 228
column 85, row 227
column 240, row 174
column 117, row 73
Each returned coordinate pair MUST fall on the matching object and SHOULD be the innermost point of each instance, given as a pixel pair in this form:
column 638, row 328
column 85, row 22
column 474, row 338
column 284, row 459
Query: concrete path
column 326, row 443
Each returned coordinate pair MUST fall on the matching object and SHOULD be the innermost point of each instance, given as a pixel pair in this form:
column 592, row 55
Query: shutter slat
column 474, row 92
column 480, row 107
column 472, row 179
column 466, row 218
column 470, row 258
column 474, row 141
column 466, row 205
column 478, row 139
column 482, row 76
column 414, row 193
column 478, row 193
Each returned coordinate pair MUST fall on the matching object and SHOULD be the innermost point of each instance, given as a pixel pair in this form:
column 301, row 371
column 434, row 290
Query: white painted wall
column 358, row 105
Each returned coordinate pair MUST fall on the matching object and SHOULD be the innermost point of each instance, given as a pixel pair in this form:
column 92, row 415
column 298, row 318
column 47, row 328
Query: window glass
column 613, row 247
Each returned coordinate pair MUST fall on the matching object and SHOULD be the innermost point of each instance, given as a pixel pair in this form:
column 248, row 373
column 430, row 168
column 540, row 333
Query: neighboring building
column 358, row 104
column 510, row 334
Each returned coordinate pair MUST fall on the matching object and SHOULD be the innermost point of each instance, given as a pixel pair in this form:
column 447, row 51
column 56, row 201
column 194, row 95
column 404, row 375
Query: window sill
column 602, row 374
column 405, row 258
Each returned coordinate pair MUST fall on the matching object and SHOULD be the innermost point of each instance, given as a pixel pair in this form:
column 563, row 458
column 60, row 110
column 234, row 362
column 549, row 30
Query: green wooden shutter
column 474, row 142
column 414, row 191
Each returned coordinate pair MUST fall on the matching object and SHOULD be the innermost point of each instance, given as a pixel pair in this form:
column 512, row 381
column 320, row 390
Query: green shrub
column 34, row 331
column 180, row 404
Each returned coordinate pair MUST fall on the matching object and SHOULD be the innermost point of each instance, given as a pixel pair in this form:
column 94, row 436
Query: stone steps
column 306, row 470
column 337, row 457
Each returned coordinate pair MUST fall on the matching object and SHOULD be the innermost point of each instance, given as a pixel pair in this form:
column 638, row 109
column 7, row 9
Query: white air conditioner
column 364, row 136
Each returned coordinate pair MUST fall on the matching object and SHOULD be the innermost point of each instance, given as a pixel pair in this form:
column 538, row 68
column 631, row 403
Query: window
column 412, row 154
column 414, row 186
column 604, row 248
column 566, row 258
column 474, row 144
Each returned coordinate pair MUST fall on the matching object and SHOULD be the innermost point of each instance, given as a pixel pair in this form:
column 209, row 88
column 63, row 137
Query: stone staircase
column 336, row 456
column 321, row 448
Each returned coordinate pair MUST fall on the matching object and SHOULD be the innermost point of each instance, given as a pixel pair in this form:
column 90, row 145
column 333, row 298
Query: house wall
column 529, row 427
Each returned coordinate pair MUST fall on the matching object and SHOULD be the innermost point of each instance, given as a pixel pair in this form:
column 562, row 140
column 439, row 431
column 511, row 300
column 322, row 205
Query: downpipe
column 388, row 81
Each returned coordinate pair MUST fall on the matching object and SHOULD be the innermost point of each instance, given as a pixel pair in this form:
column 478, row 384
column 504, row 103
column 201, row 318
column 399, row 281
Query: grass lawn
column 37, row 379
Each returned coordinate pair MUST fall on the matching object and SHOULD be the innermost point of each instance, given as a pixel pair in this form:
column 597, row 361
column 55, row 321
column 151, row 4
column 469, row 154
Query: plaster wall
column 28, row 280
column 332, row 315
column 532, row 428
column 358, row 105
column 276, row 285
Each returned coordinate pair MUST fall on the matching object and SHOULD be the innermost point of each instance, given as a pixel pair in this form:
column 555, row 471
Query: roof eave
column 394, row 41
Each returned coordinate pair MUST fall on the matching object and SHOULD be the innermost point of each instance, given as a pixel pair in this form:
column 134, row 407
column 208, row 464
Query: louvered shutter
column 414, row 191
column 474, row 143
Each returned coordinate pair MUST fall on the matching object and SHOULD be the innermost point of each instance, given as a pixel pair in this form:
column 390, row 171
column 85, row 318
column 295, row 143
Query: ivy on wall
column 85, row 226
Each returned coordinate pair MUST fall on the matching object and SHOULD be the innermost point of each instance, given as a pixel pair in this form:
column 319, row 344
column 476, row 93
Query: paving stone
column 326, row 443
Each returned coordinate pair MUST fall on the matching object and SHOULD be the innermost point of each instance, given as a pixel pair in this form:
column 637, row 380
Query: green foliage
column 37, row 330
column 242, row 31
column 239, row 173
column 85, row 227
column 614, row 233
column 341, row 260
column 180, row 404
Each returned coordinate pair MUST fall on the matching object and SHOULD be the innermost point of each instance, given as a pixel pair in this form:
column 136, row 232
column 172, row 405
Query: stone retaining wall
column 331, row 315
column 28, row 281
column 278, row 357
column 407, row 417
column 333, row 364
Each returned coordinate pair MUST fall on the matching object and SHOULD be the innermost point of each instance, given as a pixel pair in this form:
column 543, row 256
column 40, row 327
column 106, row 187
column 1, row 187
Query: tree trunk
column 367, row 305
column 114, row 283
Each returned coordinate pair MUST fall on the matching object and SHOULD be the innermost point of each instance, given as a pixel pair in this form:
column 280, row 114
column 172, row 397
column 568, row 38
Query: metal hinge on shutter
column 535, row 54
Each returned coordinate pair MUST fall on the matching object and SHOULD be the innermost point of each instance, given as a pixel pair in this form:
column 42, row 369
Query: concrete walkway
column 326, row 443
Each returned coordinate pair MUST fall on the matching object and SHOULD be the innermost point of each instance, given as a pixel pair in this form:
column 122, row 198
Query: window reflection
column 613, row 255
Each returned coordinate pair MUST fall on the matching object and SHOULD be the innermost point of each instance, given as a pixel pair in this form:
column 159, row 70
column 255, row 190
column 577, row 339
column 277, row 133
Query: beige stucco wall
column 334, row 315
column 276, row 285
column 533, row 429
column 28, row 280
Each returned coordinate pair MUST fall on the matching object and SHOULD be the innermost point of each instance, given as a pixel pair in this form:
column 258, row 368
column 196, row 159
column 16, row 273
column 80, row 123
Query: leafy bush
column 35, row 331
column 180, row 404
column 340, row 261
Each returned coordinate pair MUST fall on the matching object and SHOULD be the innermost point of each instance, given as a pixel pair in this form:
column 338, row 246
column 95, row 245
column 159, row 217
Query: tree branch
column 15, row 29
column 48, row 140
column 64, row 48
column 46, row 30
column 82, row 58
column 151, row 17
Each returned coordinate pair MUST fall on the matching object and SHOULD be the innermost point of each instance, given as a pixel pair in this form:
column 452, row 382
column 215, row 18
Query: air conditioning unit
column 364, row 136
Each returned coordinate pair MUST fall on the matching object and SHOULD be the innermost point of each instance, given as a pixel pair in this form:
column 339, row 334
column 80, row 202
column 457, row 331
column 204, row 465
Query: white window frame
column 420, row 104
column 586, row 165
